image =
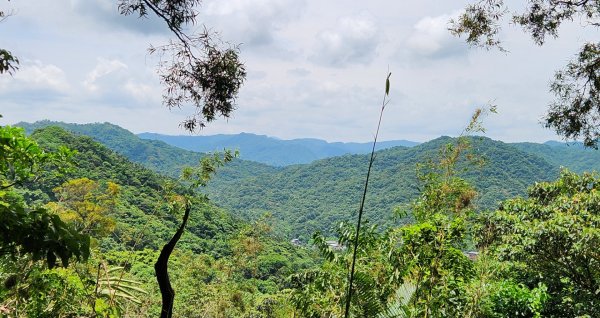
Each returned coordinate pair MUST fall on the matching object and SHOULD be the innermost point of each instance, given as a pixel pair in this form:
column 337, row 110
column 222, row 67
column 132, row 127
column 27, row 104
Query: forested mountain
column 273, row 151
column 141, row 191
column 303, row 198
column 321, row 194
column 233, row 260
column 241, row 264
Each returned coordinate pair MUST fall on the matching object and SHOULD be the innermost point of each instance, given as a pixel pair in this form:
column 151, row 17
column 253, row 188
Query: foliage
column 551, row 237
column 8, row 62
column 214, row 267
column 319, row 195
column 32, row 230
column 21, row 159
column 509, row 299
column 193, row 68
column 82, row 203
column 323, row 292
column 45, row 293
column 573, row 156
column 574, row 112
column 303, row 198
column 154, row 155
column 226, row 268
column 112, row 290
column 425, row 255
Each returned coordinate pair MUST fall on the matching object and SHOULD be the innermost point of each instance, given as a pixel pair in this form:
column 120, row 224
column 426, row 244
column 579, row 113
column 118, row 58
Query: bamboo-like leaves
column 116, row 288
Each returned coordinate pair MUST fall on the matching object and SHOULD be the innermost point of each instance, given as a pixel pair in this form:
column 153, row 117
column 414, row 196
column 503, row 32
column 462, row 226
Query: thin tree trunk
column 161, row 269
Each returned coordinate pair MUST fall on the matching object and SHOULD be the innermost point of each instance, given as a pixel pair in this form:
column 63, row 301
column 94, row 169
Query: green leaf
column 387, row 84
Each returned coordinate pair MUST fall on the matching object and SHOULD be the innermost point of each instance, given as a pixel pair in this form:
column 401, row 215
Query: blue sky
column 315, row 69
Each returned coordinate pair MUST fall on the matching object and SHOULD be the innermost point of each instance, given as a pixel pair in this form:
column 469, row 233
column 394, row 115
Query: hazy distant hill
column 273, row 151
column 153, row 154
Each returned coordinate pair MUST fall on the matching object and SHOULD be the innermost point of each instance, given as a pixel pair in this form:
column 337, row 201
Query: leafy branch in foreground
column 194, row 68
column 111, row 289
column 551, row 238
column 575, row 111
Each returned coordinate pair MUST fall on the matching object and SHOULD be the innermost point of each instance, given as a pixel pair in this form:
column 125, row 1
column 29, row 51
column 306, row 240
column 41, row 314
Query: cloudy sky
column 316, row 68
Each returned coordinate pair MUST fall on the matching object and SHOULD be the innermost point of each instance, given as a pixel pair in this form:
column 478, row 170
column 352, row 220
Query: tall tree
column 197, row 177
column 575, row 111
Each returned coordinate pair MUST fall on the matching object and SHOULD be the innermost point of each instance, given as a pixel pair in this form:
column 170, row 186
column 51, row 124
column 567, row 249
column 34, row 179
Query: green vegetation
column 573, row 156
column 125, row 209
column 551, row 238
column 452, row 233
column 319, row 195
column 155, row 155
column 323, row 193
column 536, row 256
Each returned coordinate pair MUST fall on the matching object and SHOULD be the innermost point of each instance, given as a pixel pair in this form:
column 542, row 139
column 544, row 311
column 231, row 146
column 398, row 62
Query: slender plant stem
column 362, row 202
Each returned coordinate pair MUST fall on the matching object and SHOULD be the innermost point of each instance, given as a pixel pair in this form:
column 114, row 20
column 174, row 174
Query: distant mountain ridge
column 305, row 197
column 153, row 154
column 274, row 151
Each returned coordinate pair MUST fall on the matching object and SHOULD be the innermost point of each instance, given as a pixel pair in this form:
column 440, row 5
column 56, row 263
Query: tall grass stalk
column 362, row 202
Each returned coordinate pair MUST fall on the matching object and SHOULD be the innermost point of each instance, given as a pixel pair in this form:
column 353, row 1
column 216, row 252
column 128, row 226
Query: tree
column 8, row 63
column 33, row 230
column 85, row 204
column 198, row 177
column 575, row 111
column 552, row 237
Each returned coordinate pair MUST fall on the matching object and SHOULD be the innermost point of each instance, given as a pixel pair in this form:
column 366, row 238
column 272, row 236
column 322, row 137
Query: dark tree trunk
column 161, row 269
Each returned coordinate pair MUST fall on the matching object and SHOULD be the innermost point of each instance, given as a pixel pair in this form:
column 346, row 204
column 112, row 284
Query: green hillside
column 140, row 194
column 573, row 156
column 239, row 264
column 321, row 194
column 307, row 197
column 227, row 265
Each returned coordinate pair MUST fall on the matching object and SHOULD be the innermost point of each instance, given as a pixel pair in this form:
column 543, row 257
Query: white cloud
column 142, row 92
column 34, row 82
column 289, row 49
column 431, row 38
column 254, row 23
column 353, row 41
column 103, row 68
column 41, row 75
